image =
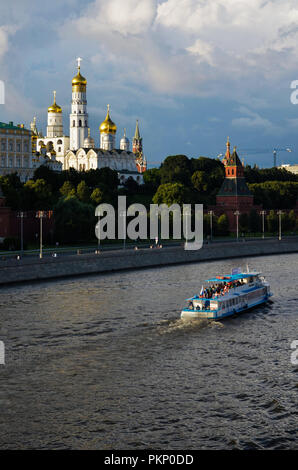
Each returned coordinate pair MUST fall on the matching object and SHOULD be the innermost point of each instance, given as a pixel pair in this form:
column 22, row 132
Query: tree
column 97, row 196
column 200, row 181
column 172, row 193
column 68, row 189
column 83, row 192
column 176, row 169
column 37, row 194
column 152, row 179
column 74, row 220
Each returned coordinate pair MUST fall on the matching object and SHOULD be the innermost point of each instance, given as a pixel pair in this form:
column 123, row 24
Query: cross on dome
column 79, row 60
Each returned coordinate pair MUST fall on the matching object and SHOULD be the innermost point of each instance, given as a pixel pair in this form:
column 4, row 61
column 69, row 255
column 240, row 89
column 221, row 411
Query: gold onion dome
column 108, row 126
column 54, row 108
column 79, row 79
column 79, row 82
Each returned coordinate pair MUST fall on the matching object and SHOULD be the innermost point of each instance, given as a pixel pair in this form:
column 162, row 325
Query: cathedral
column 78, row 150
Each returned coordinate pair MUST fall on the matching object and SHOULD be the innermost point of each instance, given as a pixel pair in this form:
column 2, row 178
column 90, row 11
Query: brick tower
column 234, row 194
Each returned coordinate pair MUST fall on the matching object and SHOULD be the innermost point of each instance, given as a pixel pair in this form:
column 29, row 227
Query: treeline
column 73, row 195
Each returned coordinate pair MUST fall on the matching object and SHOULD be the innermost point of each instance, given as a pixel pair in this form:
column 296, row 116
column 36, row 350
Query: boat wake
column 171, row 326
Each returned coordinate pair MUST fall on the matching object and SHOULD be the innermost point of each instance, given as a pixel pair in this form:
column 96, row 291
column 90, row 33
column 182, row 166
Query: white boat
column 227, row 295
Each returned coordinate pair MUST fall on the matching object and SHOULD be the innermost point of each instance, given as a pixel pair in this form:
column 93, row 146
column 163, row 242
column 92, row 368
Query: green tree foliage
column 152, row 179
column 97, row 196
column 200, row 181
column 176, row 169
column 37, row 195
column 74, row 220
column 13, row 190
column 275, row 194
column 83, row 193
column 172, row 193
column 67, row 189
column 256, row 175
column 54, row 179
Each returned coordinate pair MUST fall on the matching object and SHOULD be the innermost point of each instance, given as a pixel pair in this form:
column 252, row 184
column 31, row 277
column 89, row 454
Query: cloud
column 132, row 17
column 252, row 119
column 183, row 46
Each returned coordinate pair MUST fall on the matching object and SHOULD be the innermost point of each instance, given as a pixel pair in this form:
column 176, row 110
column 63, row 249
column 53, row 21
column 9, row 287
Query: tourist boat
column 227, row 295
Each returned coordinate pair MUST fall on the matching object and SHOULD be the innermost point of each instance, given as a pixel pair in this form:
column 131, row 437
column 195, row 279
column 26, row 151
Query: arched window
column 73, row 124
column 80, row 123
column 59, row 142
column 86, row 125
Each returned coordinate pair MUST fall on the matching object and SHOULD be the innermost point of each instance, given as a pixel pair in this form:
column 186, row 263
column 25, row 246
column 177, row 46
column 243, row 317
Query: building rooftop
column 11, row 126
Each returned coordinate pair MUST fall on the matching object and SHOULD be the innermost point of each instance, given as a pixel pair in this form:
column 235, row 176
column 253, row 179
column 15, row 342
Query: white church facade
column 78, row 150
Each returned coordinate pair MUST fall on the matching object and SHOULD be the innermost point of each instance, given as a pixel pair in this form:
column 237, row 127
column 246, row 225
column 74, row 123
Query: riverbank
column 32, row 269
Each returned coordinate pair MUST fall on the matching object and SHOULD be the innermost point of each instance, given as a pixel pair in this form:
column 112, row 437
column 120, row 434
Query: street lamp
column 237, row 213
column 21, row 216
column 211, row 213
column 263, row 213
column 42, row 215
column 279, row 213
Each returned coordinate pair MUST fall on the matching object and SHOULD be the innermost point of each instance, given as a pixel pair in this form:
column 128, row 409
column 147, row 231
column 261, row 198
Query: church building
column 79, row 150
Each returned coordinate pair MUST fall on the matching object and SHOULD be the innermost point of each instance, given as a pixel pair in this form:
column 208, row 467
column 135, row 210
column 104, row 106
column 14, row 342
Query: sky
column 192, row 71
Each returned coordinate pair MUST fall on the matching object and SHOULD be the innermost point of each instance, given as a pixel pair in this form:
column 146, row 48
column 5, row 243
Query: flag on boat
column 236, row 271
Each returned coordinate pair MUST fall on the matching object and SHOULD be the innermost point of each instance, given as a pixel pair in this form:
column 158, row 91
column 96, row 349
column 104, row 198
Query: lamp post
column 42, row 215
column 21, row 216
column 237, row 213
column 279, row 213
column 263, row 213
column 211, row 213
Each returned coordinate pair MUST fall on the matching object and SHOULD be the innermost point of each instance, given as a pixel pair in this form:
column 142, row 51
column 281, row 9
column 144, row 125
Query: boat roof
column 232, row 277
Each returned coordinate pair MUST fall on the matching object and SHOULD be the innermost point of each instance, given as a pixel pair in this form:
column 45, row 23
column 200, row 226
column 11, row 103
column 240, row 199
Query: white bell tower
column 79, row 116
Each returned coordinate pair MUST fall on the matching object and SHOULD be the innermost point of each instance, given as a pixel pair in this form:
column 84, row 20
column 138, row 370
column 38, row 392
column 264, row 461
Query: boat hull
column 188, row 314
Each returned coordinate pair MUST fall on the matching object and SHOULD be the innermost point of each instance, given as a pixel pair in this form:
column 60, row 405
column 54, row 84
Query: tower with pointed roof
column 79, row 116
column 234, row 194
column 234, row 187
column 55, row 124
column 108, row 131
column 137, row 143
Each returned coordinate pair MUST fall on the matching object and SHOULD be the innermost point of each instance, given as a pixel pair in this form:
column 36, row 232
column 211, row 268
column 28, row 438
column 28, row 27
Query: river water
column 104, row 362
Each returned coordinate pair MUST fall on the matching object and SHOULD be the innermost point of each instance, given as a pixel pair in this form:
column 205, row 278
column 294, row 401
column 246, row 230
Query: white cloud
column 132, row 17
column 202, row 50
column 185, row 46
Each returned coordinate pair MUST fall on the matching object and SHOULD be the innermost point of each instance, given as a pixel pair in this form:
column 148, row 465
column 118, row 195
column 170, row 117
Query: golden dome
column 79, row 82
column 79, row 79
column 54, row 108
column 108, row 126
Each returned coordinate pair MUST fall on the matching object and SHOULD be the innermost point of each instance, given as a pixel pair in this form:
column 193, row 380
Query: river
column 104, row 362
